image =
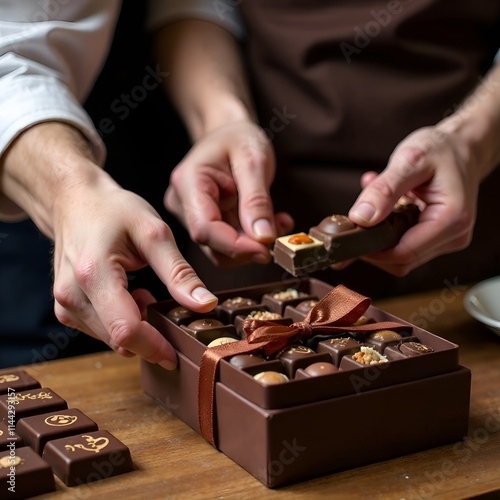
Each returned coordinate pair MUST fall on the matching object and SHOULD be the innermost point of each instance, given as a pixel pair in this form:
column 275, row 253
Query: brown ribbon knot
column 335, row 312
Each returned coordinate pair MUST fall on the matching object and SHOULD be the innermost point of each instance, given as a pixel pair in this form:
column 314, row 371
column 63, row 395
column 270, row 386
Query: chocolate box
column 416, row 398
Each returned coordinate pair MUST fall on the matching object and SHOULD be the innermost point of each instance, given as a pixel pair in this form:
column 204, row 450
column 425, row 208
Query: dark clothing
column 338, row 85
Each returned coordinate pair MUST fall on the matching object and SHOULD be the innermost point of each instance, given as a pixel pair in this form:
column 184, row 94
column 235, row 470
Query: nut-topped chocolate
column 338, row 347
column 237, row 303
column 336, row 239
column 369, row 356
column 235, row 306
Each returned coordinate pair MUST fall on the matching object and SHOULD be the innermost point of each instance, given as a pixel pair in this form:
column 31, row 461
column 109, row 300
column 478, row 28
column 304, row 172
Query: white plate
column 482, row 302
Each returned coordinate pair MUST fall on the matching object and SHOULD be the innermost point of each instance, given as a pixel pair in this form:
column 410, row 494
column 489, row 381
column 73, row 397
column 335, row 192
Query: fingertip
column 362, row 212
column 168, row 364
column 263, row 230
column 204, row 298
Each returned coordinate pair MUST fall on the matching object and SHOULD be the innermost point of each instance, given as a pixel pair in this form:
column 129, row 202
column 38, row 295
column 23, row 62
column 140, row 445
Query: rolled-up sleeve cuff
column 32, row 99
column 221, row 12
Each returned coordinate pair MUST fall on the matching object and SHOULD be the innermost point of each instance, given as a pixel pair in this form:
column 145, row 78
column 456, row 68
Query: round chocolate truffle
column 384, row 335
column 362, row 320
column 237, row 302
column 244, row 360
column 271, row 378
column 221, row 341
column 180, row 312
column 321, row 368
column 336, row 224
column 205, row 324
column 295, row 351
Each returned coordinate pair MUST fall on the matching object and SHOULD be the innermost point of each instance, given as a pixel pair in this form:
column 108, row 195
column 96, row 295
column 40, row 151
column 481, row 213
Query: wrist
column 40, row 167
column 223, row 110
column 476, row 126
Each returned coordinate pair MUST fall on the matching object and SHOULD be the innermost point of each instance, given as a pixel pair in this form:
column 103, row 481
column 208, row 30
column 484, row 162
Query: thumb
column 403, row 173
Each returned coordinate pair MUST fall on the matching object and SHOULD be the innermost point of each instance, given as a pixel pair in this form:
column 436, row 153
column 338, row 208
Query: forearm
column 43, row 169
column 477, row 124
column 207, row 79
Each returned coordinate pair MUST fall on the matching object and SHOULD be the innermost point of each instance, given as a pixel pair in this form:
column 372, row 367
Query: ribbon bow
column 335, row 312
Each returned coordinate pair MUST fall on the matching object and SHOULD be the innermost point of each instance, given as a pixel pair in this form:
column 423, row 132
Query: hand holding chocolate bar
column 336, row 238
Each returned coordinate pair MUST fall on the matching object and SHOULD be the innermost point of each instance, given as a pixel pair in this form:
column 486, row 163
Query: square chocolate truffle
column 17, row 405
column 87, row 457
column 16, row 380
column 300, row 253
column 37, row 430
column 24, row 474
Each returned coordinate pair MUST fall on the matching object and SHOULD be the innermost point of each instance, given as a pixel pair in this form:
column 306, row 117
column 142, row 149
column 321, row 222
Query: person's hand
column 435, row 168
column 220, row 192
column 100, row 234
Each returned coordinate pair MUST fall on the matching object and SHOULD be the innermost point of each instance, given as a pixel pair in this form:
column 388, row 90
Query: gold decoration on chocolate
column 10, row 461
column 61, row 420
column 22, row 397
column 1, row 433
column 92, row 442
column 335, row 312
column 8, row 377
column 300, row 239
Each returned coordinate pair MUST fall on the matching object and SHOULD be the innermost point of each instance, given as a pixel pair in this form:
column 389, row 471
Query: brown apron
column 338, row 84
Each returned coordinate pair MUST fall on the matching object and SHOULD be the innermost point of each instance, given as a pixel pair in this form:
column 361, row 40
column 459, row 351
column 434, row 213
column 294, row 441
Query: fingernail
column 168, row 364
column 261, row 258
column 364, row 211
column 202, row 295
column 262, row 229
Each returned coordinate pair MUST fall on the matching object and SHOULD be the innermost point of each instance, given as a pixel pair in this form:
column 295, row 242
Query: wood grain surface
column 173, row 462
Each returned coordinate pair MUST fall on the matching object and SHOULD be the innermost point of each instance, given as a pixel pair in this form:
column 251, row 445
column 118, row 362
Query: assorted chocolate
column 328, row 358
column 321, row 354
column 40, row 436
column 336, row 238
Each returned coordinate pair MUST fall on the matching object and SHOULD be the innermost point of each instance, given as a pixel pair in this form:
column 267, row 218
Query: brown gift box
column 312, row 426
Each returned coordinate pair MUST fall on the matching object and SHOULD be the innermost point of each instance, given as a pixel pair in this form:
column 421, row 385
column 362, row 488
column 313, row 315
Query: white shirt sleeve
column 50, row 56
column 222, row 12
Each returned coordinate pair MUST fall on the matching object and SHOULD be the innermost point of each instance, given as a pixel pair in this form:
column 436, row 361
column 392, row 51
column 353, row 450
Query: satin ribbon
column 334, row 313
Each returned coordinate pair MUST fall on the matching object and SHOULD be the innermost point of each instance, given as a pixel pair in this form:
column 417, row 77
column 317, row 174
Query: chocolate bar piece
column 87, row 457
column 17, row 405
column 24, row 474
column 336, row 239
column 17, row 380
column 39, row 429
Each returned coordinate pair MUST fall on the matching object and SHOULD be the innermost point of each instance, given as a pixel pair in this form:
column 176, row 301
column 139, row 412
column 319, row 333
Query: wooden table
column 172, row 461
